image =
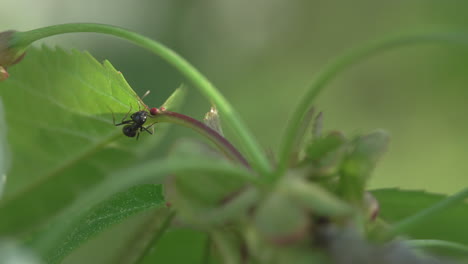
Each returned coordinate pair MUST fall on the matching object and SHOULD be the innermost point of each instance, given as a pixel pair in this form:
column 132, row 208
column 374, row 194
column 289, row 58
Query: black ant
column 134, row 126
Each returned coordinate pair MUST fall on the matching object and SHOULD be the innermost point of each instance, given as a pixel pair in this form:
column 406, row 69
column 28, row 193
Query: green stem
column 342, row 63
column 429, row 243
column 226, row 247
column 416, row 219
column 222, row 143
column 157, row 235
column 259, row 161
column 206, row 258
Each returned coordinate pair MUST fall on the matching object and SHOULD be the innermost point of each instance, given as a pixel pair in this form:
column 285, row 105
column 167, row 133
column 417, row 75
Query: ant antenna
column 147, row 92
column 141, row 100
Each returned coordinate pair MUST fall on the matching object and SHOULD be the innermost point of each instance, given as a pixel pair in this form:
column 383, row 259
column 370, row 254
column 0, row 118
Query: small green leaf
column 58, row 110
column 358, row 165
column 318, row 126
column 302, row 135
column 107, row 213
column 324, row 155
column 397, row 205
column 322, row 147
column 175, row 100
column 315, row 198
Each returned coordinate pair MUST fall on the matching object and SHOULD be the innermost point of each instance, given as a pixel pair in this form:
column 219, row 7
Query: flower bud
column 3, row 74
column 9, row 55
column 281, row 221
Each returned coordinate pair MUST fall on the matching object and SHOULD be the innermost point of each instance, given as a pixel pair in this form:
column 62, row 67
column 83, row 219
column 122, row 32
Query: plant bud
column 281, row 220
column 8, row 55
column 3, row 74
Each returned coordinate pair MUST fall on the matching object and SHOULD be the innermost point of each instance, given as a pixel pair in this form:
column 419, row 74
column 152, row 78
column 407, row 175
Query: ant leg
column 123, row 122
column 146, row 129
column 150, row 126
column 113, row 116
column 125, row 117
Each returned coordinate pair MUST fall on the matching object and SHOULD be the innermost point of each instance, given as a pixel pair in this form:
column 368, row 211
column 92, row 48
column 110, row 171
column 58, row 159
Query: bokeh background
column 262, row 54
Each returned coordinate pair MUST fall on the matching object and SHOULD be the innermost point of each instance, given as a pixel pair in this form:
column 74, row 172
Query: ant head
column 129, row 131
column 139, row 117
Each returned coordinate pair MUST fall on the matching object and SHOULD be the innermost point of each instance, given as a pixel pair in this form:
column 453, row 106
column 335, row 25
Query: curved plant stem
column 431, row 243
column 258, row 159
column 156, row 236
column 414, row 220
column 222, row 143
column 342, row 63
column 206, row 258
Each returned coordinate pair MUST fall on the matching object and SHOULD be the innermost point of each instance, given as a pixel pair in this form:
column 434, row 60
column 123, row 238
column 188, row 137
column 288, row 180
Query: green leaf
column 325, row 154
column 48, row 242
column 396, row 205
column 314, row 197
column 358, row 165
column 175, row 100
column 107, row 213
column 321, row 147
column 304, row 133
column 58, row 109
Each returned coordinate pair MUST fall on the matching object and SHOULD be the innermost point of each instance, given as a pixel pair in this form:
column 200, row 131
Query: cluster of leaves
column 72, row 175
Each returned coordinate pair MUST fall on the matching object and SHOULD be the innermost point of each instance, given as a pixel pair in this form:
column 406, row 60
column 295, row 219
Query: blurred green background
column 262, row 54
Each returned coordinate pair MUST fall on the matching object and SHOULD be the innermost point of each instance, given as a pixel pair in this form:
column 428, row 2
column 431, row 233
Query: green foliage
column 397, row 205
column 281, row 220
column 81, row 179
column 316, row 198
column 109, row 212
column 207, row 198
column 359, row 163
column 58, row 109
column 174, row 101
column 53, row 238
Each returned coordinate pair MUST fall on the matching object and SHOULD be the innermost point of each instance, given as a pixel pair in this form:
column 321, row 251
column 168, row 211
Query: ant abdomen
column 129, row 130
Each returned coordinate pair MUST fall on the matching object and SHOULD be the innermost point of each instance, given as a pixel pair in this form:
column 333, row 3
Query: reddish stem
column 161, row 115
